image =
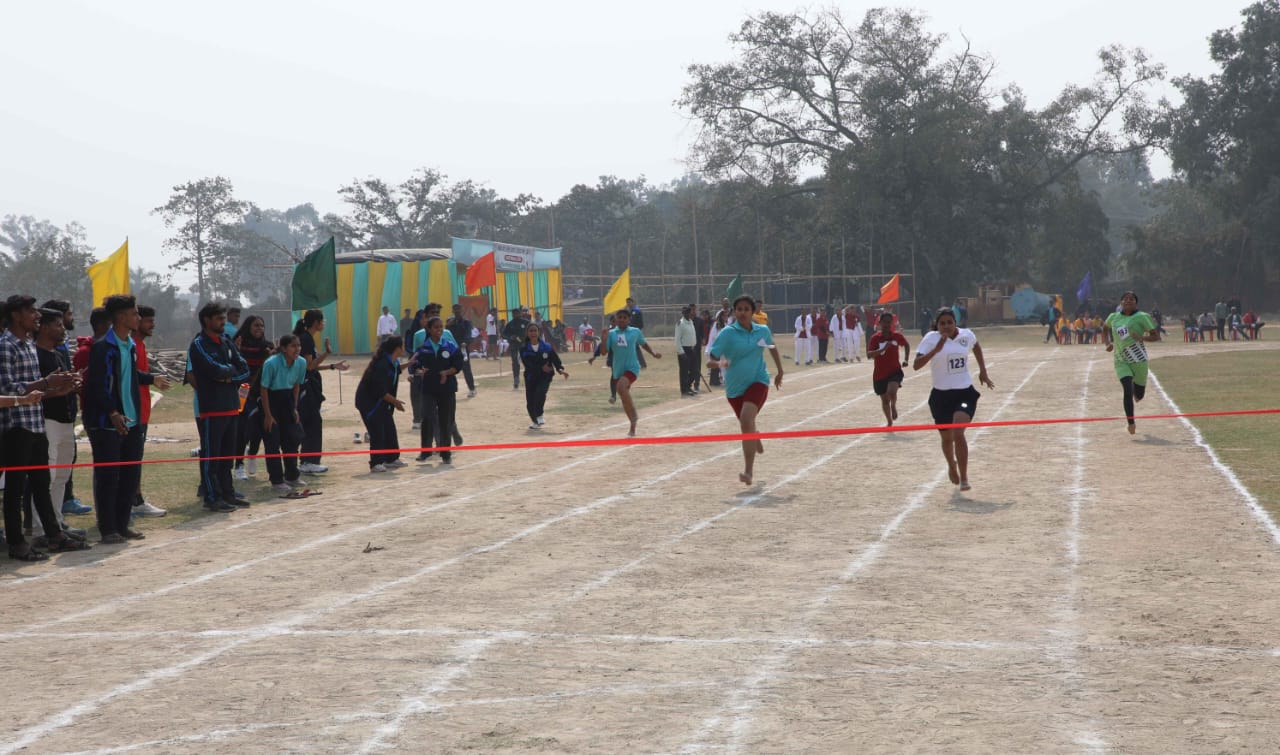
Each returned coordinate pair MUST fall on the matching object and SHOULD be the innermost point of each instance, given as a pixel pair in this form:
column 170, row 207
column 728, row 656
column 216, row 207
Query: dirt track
column 1093, row 592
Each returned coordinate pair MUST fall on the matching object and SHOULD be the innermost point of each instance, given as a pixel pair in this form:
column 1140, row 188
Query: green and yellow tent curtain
column 537, row 288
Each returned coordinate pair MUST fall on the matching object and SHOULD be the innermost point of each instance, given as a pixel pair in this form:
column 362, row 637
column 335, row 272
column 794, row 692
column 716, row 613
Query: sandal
column 30, row 556
column 67, row 545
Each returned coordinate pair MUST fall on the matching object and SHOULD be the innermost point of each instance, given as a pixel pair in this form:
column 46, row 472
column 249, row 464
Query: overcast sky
column 105, row 106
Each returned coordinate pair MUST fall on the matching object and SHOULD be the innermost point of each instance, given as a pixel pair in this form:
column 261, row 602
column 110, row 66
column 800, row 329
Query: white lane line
column 423, row 703
column 69, row 715
column 115, row 603
column 1259, row 513
column 1066, row 647
column 737, row 713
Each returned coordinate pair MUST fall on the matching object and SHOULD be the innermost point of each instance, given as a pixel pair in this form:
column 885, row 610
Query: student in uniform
column 437, row 363
column 308, row 328
column 219, row 369
column 837, row 336
column 252, row 343
column 953, row 400
column 1130, row 330
column 853, row 332
column 279, row 385
column 738, row 352
column 886, row 373
column 377, row 403
column 623, row 343
column 801, row 341
column 541, row 365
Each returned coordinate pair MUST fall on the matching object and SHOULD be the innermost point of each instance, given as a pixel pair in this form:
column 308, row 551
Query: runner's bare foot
column 759, row 446
column 953, row 473
column 1133, row 429
column 964, row 485
column 745, row 478
column 632, row 432
column 895, row 413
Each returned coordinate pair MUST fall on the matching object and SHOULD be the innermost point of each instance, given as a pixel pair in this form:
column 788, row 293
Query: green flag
column 315, row 279
column 735, row 288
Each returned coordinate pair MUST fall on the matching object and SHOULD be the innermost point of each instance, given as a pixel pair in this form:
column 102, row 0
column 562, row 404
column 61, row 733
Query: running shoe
column 540, row 420
column 397, row 464
column 147, row 509
column 378, row 468
column 471, row 393
column 239, row 473
column 310, row 468
column 535, row 426
column 75, row 506
column 252, row 466
column 282, row 487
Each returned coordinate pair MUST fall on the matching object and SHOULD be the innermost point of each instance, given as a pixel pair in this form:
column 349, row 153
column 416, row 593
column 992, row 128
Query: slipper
column 301, row 493
column 30, row 556
column 68, row 544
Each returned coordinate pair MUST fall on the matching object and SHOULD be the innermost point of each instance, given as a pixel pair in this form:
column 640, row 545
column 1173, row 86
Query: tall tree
column 45, row 261
column 204, row 214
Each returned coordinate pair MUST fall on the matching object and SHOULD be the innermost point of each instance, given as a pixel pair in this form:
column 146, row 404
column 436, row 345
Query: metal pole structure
column 696, row 278
column 915, row 290
column 844, row 273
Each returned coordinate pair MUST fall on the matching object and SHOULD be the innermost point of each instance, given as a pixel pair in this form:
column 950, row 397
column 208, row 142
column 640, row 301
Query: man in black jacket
column 111, row 417
column 219, row 370
column 514, row 335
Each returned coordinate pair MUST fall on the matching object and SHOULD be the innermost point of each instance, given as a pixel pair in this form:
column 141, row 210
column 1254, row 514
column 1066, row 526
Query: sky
column 105, row 107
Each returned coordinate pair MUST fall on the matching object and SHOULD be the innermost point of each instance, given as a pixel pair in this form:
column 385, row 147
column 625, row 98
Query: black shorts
column 944, row 404
column 882, row 386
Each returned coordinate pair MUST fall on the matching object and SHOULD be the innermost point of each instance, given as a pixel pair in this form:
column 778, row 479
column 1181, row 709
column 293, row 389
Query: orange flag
column 481, row 273
column 889, row 291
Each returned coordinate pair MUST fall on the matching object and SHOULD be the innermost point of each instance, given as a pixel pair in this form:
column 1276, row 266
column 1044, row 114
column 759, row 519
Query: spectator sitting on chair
column 1236, row 324
column 1191, row 328
column 1078, row 327
column 1252, row 322
column 1208, row 324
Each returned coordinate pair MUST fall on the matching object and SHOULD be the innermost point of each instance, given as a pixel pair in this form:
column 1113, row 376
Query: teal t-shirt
column 126, row 382
column 420, row 337
column 745, row 351
column 1126, row 333
column 625, row 346
column 279, row 375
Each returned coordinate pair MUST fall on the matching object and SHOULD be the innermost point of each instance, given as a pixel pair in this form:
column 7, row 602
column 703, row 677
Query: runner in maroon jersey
column 886, row 376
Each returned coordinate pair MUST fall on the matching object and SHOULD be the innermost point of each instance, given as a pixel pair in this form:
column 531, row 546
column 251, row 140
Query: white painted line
column 68, row 716
column 1259, row 513
column 738, row 709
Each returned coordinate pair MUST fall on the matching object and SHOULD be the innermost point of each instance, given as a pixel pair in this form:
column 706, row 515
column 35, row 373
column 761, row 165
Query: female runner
column 1130, row 329
column 953, row 400
column 738, row 352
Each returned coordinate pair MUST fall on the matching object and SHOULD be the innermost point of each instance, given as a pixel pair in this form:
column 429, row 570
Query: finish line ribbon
column 662, row 440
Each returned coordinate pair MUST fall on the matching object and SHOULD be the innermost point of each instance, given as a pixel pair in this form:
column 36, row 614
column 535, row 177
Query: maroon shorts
column 757, row 394
column 629, row 375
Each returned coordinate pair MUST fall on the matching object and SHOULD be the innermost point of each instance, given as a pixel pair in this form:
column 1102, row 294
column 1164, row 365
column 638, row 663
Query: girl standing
column 437, row 363
column 953, row 400
column 252, row 342
column 739, row 351
column 1130, row 329
column 307, row 329
column 541, row 365
column 377, row 403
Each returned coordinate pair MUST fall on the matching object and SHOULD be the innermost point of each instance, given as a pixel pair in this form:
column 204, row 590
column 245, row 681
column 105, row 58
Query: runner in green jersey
column 1126, row 334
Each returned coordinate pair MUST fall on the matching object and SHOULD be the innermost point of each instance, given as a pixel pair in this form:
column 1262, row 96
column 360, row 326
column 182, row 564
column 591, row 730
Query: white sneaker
column 540, row 420
column 395, row 464
column 295, row 483
column 240, row 474
column 357, row 438
column 252, row 466
column 146, row 509
column 282, row 487
column 471, row 393
column 378, row 468
column 535, row 426
column 310, row 468
column 417, row 426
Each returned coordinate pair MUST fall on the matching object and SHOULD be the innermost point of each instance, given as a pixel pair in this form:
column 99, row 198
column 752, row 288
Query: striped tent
column 401, row 279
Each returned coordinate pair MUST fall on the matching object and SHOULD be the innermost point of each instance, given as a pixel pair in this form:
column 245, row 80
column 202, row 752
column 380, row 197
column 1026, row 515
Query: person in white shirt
column 837, row 335
column 853, row 331
column 491, row 334
column 804, row 339
column 953, row 400
column 387, row 325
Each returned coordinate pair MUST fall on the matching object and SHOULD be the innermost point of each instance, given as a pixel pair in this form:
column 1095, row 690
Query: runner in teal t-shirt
column 739, row 351
column 622, row 343
column 1126, row 334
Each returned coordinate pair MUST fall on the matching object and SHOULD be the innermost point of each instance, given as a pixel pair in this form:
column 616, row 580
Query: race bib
column 957, row 365
column 1122, row 332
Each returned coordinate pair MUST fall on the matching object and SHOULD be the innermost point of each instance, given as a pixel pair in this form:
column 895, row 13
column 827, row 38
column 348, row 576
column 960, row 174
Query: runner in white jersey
column 953, row 400
column 837, row 336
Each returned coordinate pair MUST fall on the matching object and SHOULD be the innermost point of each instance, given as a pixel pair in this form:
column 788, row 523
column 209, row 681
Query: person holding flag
column 738, row 351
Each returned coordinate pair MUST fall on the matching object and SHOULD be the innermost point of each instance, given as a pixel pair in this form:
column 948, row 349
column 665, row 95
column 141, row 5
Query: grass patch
column 1229, row 381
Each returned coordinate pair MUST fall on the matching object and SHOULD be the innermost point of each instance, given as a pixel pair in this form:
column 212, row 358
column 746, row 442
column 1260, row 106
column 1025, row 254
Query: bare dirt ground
column 1093, row 592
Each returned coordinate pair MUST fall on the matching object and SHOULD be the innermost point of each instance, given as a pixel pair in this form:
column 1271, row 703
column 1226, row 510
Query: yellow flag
column 110, row 276
column 618, row 294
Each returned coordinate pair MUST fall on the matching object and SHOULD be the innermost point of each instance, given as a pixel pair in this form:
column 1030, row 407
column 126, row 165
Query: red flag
column 889, row 291
column 481, row 273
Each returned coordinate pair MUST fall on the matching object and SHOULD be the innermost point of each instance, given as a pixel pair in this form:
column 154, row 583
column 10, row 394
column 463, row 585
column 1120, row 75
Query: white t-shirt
column 949, row 367
column 386, row 325
column 490, row 325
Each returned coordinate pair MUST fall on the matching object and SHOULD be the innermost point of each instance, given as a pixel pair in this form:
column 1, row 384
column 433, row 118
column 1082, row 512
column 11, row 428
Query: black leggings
column 1132, row 392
